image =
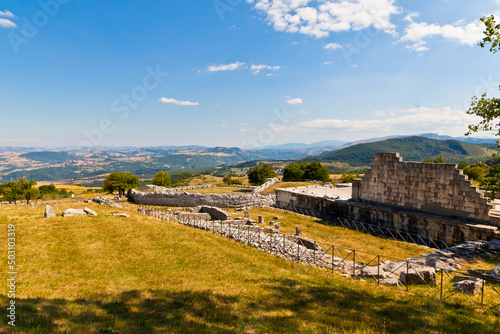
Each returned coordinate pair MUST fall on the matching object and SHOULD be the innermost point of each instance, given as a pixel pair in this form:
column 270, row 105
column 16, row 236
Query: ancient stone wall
column 429, row 187
column 192, row 200
column 269, row 183
column 453, row 231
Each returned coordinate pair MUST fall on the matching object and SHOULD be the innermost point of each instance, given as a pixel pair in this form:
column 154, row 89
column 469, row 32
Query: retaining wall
column 191, row 200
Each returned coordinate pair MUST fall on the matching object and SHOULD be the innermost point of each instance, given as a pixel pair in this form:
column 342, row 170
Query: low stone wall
column 213, row 212
column 163, row 190
column 269, row 183
column 192, row 200
column 450, row 230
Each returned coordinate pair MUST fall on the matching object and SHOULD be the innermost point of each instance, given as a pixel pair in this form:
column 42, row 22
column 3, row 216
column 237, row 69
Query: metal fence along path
column 407, row 275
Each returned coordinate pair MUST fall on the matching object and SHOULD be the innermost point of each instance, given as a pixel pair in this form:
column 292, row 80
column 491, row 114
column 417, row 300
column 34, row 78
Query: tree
column 258, row 174
column 316, row 171
column 304, row 171
column 12, row 192
column 122, row 182
column 294, row 172
column 162, row 179
column 348, row 178
column 488, row 109
column 438, row 160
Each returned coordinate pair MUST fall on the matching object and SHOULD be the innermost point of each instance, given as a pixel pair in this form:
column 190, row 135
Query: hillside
column 140, row 275
column 411, row 149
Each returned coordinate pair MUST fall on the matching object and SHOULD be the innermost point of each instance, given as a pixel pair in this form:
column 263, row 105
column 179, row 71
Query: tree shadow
column 285, row 306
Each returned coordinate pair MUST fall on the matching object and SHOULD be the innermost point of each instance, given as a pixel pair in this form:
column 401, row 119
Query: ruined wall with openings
column 440, row 189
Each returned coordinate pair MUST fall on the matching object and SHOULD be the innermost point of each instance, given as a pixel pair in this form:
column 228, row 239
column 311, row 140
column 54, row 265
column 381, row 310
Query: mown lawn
column 139, row 275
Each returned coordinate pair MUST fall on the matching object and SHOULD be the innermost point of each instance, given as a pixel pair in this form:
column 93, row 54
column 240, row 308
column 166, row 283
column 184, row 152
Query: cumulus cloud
column 294, row 101
column 319, row 18
column 417, row 33
column 226, row 67
column 179, row 103
column 332, row 46
column 6, row 23
column 444, row 120
column 257, row 68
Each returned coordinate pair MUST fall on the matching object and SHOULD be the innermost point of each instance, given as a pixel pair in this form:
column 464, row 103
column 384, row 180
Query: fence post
column 482, row 293
column 407, row 270
column 441, row 294
column 354, row 263
column 333, row 255
column 378, row 269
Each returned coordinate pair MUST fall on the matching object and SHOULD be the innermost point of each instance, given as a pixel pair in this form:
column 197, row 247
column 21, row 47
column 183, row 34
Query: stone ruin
column 236, row 200
column 440, row 189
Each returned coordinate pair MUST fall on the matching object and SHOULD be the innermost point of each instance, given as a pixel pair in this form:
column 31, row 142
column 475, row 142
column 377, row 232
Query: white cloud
column 226, row 67
column 328, row 62
column 444, row 120
column 6, row 14
column 243, row 130
column 6, row 23
column 332, row 46
column 179, row 103
column 294, row 101
column 418, row 33
column 319, row 18
column 258, row 68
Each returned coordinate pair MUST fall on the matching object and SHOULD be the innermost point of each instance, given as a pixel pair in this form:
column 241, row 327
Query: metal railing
column 408, row 275
column 375, row 229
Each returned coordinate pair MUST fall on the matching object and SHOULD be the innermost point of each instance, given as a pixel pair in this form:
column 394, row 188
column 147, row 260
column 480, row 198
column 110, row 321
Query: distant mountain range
column 50, row 164
column 411, row 149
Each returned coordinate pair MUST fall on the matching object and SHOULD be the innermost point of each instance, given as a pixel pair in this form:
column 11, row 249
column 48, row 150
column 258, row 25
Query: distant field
column 139, row 275
column 270, row 190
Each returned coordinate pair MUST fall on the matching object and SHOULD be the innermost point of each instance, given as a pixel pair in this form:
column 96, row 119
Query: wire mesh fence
column 409, row 275
column 375, row 229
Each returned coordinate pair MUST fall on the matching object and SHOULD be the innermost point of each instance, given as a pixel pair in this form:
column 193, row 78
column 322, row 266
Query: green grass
column 138, row 275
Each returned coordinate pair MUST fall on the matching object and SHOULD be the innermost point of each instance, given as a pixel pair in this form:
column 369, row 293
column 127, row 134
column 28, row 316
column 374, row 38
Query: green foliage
column 348, row 178
column 122, row 182
column 20, row 189
column 438, row 160
column 181, row 179
column 162, row 179
column 228, row 180
column 294, row 172
column 410, row 148
column 476, row 172
column 304, row 171
column 492, row 33
column 258, row 174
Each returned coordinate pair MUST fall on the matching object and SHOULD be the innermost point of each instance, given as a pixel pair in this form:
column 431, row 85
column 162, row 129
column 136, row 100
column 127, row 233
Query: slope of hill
column 410, row 148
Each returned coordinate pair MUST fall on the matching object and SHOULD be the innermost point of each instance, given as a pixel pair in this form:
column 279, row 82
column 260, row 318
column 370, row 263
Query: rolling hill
column 411, row 149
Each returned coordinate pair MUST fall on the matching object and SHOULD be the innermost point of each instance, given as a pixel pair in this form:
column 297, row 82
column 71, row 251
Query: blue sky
column 238, row 72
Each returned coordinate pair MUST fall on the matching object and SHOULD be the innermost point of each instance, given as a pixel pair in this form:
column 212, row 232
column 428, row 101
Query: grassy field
column 137, row 275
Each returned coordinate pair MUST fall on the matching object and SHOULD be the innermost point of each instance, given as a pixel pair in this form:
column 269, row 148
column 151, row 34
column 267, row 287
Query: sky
column 245, row 73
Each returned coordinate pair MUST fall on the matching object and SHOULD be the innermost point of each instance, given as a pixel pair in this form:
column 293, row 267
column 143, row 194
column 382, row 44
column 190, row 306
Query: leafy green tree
column 122, row 182
column 294, row 172
column 476, row 172
column 488, row 109
column 348, row 178
column 12, row 192
column 316, row 171
column 162, row 179
column 438, row 160
column 227, row 179
column 258, row 174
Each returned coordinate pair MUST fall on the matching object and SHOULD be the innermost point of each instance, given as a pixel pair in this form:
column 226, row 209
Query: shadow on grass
column 285, row 306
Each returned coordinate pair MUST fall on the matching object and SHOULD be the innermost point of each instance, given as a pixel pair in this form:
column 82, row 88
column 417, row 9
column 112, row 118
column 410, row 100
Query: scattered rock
column 496, row 270
column 278, row 217
column 90, row 212
column 390, row 281
column 277, row 226
column 471, row 287
column 424, row 275
column 74, row 213
column 49, row 212
column 298, row 231
column 117, row 214
column 104, row 200
column 375, row 272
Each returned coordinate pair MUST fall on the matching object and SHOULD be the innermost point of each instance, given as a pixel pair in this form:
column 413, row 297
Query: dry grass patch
column 139, row 275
